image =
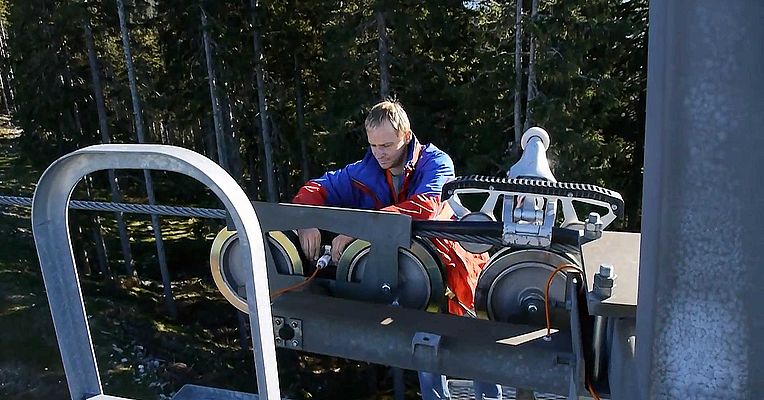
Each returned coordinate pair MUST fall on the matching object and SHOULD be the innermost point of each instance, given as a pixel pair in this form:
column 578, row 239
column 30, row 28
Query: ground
column 141, row 352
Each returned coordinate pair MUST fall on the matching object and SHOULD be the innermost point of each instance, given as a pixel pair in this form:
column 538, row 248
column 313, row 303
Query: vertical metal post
column 700, row 317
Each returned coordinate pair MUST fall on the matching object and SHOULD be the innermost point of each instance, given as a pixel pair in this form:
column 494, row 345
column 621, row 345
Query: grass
column 141, row 352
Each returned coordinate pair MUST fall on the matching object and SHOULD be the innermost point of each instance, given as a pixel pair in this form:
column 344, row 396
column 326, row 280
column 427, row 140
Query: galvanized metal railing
column 50, row 211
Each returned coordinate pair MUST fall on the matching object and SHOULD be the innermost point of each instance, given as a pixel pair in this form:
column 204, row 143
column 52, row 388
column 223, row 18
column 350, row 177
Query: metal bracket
column 577, row 369
column 287, row 332
column 527, row 225
column 427, row 340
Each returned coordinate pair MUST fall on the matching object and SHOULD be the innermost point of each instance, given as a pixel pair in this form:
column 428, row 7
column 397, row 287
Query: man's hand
column 310, row 241
column 338, row 245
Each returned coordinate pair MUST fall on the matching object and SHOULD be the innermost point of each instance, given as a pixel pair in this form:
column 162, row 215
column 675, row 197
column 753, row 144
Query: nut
column 593, row 218
column 606, row 271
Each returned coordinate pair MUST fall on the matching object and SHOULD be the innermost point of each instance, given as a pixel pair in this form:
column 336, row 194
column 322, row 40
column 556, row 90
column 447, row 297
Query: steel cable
column 214, row 213
column 126, row 208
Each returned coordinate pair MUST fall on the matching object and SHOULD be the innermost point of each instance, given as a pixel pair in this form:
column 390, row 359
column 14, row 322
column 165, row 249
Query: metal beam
column 514, row 355
column 700, row 287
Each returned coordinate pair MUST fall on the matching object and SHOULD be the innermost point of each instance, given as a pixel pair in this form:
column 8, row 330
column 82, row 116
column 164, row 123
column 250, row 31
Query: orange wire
column 296, row 286
column 546, row 293
column 591, row 390
column 589, row 386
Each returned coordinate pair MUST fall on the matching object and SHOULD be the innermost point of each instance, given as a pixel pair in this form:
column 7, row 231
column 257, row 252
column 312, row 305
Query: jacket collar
column 413, row 153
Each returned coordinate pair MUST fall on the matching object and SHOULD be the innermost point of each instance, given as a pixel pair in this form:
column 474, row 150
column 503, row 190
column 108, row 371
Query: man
column 397, row 174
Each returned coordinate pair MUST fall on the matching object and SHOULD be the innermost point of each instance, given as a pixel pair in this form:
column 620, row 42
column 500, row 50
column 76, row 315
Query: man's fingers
column 315, row 245
column 338, row 246
column 310, row 241
column 304, row 244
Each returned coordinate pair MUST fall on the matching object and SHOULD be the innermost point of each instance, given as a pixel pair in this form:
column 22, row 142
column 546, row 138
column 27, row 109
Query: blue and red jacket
column 365, row 185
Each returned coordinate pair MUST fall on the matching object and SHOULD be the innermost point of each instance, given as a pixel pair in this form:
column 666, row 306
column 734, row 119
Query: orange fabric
column 462, row 267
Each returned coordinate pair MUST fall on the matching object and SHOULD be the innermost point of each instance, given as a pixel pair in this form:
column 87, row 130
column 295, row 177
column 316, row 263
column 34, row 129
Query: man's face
column 387, row 147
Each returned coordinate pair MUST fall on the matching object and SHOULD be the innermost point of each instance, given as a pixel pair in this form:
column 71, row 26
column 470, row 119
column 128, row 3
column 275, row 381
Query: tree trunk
column 3, row 87
column 85, row 264
column 141, row 139
column 231, row 131
column 384, row 72
column 217, row 116
column 7, row 73
column 531, row 94
column 299, row 103
column 270, row 184
column 98, row 243
column 103, row 124
column 97, row 234
column 518, row 77
column 254, row 186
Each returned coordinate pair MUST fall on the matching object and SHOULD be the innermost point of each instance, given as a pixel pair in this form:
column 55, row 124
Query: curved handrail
column 51, row 234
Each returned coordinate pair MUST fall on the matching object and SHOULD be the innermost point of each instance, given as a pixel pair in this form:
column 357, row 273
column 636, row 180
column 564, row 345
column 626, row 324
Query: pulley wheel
column 476, row 248
column 420, row 277
column 511, row 287
column 230, row 275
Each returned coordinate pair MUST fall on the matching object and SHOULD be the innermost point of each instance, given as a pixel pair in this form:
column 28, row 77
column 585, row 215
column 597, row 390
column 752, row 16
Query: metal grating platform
column 463, row 390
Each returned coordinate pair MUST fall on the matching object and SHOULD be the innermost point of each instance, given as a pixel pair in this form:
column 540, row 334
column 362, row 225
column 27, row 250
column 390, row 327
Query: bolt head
column 278, row 321
column 386, row 287
column 294, row 324
column 532, row 309
column 295, row 343
column 606, row 270
column 278, row 340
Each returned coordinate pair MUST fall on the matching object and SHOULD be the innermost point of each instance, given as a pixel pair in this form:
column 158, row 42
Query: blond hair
column 389, row 110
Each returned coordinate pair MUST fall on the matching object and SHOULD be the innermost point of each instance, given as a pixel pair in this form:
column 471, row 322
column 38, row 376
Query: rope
column 459, row 237
column 126, row 208
column 214, row 213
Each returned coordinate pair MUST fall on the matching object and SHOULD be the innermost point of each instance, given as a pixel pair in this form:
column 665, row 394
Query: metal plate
column 420, row 278
column 460, row 389
column 621, row 250
column 511, row 287
column 229, row 274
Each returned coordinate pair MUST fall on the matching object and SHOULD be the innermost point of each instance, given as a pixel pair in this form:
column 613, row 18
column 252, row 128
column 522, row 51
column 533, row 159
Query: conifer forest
column 275, row 92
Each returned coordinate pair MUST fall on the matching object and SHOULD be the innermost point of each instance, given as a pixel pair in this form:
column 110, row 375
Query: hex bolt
column 606, row 270
column 593, row 226
column 294, row 324
column 386, row 287
column 277, row 321
column 278, row 340
column 604, row 280
column 295, row 343
column 593, row 218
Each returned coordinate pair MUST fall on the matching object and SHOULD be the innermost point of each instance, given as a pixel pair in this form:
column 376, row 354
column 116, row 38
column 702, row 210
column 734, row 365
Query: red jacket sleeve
column 312, row 194
column 420, row 207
